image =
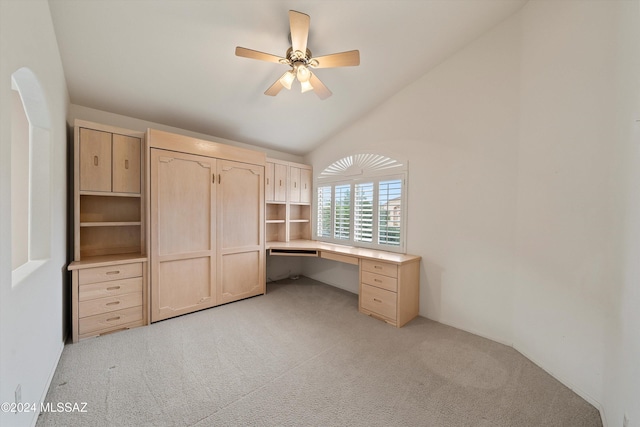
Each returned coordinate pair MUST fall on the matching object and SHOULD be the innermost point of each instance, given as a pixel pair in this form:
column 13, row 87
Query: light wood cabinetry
column 390, row 291
column 182, row 249
column 288, row 200
column 389, row 287
column 206, row 224
column 275, row 182
column 240, row 231
column 108, row 271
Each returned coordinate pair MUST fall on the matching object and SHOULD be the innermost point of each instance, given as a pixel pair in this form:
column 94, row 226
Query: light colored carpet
column 302, row 355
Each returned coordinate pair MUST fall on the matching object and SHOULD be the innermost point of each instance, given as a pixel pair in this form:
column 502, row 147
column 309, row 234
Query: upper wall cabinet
column 276, row 182
column 109, row 162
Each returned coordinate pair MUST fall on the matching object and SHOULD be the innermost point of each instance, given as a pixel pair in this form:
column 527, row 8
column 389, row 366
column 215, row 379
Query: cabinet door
column 280, row 182
column 182, row 233
column 126, row 164
column 95, row 160
column 305, row 186
column 269, row 188
column 240, row 207
column 294, row 185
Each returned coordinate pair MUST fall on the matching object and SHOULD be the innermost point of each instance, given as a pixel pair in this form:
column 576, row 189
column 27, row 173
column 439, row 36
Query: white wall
column 31, row 313
column 458, row 126
column 576, row 92
column 523, row 201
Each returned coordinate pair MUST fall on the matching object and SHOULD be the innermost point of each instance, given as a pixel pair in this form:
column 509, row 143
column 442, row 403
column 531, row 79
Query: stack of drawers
column 379, row 292
column 109, row 299
column 389, row 291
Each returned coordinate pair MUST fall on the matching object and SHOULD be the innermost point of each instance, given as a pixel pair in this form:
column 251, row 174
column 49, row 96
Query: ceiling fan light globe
column 305, row 86
column 303, row 73
column 287, row 79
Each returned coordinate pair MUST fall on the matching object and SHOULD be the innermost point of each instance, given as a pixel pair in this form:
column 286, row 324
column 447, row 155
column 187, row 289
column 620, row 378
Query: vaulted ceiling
column 173, row 62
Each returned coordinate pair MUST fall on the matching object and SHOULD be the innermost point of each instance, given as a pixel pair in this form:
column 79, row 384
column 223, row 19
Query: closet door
column 240, row 210
column 183, row 231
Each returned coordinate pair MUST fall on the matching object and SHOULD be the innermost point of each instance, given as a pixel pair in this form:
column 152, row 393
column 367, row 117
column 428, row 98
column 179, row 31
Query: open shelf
column 299, row 213
column 109, row 209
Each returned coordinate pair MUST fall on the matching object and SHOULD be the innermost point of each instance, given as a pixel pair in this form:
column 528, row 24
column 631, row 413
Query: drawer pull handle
column 377, row 300
column 113, row 288
column 95, row 160
column 126, row 164
column 378, row 267
column 113, row 319
column 109, row 273
column 113, row 303
column 377, row 280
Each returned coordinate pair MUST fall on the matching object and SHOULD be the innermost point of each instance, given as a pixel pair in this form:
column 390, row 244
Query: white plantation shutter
column 363, row 213
column 323, row 220
column 342, row 213
column 390, row 208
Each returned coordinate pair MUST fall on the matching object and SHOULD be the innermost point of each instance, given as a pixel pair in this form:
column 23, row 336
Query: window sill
column 24, row 271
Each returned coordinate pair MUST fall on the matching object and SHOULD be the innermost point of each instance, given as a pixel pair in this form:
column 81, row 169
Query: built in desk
column 389, row 283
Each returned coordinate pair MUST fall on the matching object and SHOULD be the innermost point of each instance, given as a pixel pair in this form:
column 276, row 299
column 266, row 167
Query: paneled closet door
column 240, row 209
column 183, row 195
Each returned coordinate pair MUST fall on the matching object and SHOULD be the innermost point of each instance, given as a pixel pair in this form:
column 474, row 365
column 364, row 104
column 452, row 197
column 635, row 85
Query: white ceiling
column 173, row 62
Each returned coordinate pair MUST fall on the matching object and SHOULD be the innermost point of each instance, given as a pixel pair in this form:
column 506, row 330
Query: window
column 361, row 201
column 30, row 176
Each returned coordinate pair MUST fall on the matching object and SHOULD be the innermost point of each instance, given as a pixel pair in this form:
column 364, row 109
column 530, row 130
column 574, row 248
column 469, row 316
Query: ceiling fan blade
column 343, row 59
column 299, row 23
column 275, row 88
column 254, row 54
column 318, row 87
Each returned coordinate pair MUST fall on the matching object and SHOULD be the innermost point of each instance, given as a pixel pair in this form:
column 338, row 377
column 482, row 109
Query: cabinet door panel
column 269, row 176
column 305, row 186
column 95, row 160
column 241, row 276
column 126, row 164
column 280, row 182
column 182, row 233
column 240, row 206
column 240, row 250
column 294, row 185
column 184, row 286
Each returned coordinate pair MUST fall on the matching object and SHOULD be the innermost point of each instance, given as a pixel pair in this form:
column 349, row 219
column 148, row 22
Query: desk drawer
column 114, row 272
column 109, row 320
column 340, row 258
column 384, row 268
column 379, row 301
column 109, row 304
column 109, row 289
column 380, row 281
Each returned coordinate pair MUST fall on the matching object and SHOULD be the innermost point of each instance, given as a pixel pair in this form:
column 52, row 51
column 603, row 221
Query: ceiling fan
column 299, row 58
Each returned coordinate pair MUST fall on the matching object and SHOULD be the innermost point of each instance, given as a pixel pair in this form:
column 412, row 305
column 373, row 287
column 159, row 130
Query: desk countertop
column 363, row 253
